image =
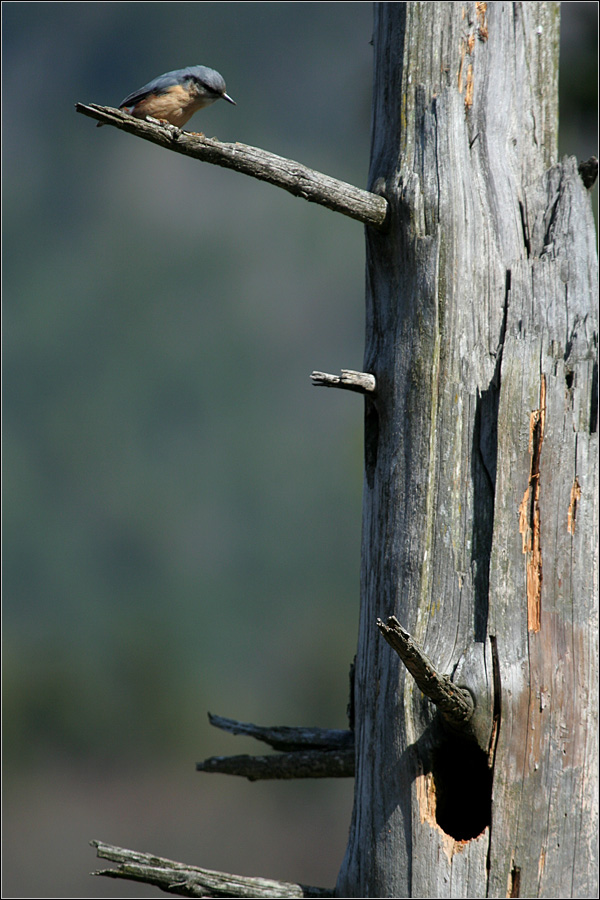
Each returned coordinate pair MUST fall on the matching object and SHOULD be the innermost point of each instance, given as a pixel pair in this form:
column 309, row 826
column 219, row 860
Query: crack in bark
column 496, row 719
column 525, row 228
column 497, row 702
column 485, row 437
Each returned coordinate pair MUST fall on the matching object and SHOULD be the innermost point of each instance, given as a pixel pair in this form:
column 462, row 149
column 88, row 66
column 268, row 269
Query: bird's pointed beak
column 229, row 99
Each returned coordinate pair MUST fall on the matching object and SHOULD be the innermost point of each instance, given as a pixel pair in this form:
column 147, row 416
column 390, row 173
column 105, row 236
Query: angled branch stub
column 455, row 703
column 288, row 738
column 349, row 379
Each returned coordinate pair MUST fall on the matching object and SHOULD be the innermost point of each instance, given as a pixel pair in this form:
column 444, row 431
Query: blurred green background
column 181, row 507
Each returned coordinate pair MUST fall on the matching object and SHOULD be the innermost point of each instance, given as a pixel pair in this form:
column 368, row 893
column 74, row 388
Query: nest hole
column 463, row 788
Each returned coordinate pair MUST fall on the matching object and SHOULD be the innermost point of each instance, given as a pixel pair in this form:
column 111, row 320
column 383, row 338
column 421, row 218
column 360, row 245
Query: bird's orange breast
column 177, row 105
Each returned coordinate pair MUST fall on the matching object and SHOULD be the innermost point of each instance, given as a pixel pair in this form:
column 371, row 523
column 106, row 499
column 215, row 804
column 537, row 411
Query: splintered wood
column 529, row 514
column 427, row 800
column 572, row 513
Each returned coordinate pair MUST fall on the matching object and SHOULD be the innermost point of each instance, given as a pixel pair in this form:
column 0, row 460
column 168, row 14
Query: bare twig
column 296, row 764
column 455, row 703
column 371, row 209
column 362, row 382
column 192, row 881
column 282, row 737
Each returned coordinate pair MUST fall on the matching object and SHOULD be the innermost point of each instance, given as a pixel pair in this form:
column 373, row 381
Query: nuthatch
column 176, row 96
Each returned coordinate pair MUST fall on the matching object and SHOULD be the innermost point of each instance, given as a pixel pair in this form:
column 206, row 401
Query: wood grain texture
column 545, row 787
column 480, row 319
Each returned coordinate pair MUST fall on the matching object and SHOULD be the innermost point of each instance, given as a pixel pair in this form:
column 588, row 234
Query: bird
column 175, row 96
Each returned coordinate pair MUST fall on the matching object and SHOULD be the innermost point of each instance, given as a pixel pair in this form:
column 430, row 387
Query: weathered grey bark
column 480, row 498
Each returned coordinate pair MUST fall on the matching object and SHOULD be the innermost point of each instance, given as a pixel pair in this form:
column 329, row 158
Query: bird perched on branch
column 176, row 96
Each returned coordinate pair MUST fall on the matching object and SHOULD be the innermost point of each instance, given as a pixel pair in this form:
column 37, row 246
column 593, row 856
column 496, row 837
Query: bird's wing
column 160, row 85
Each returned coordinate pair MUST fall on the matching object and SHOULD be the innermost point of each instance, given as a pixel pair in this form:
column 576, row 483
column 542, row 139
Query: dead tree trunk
column 476, row 773
column 480, row 497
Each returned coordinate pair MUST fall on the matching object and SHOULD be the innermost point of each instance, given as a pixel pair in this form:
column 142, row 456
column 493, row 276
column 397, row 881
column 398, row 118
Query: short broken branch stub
column 455, row 703
column 361, row 382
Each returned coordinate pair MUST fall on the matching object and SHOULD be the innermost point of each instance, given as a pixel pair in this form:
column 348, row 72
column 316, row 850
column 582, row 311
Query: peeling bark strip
column 572, row 513
column 529, row 514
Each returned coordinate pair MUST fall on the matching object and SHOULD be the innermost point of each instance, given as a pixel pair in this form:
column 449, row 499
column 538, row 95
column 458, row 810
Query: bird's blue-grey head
column 209, row 83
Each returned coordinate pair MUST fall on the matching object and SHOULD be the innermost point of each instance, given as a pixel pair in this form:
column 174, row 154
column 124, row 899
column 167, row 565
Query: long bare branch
column 339, row 196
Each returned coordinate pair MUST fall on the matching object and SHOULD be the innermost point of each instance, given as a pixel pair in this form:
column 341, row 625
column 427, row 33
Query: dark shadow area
column 371, row 439
column 594, row 401
column 463, row 787
column 483, row 473
column 461, row 775
column 484, row 456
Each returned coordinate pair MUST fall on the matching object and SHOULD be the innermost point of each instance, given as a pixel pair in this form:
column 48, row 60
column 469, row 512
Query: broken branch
column 339, row 196
column 192, row 881
column 282, row 737
column 295, row 764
